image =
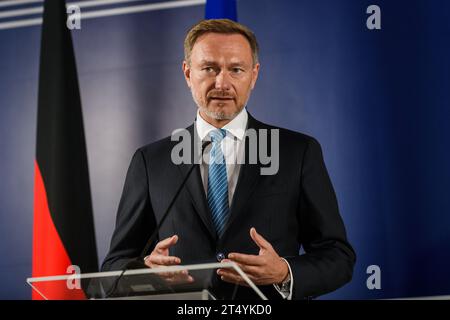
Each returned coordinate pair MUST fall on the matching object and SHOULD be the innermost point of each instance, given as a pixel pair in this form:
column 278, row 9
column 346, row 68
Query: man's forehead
column 211, row 46
column 211, row 41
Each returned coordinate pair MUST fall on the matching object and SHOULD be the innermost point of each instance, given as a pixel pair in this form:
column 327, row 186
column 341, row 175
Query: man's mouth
column 221, row 98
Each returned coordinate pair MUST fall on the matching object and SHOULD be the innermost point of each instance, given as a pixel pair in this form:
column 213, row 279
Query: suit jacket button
column 220, row 256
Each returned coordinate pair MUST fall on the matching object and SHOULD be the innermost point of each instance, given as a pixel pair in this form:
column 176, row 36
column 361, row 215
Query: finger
column 248, row 269
column 179, row 279
column 229, row 274
column 247, row 259
column 172, row 274
column 176, row 276
column 253, row 271
column 148, row 263
column 227, row 260
column 163, row 260
column 232, row 278
column 259, row 240
column 223, row 271
column 166, row 243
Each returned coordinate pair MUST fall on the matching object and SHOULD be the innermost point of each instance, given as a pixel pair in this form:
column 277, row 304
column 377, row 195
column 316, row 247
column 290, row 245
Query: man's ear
column 187, row 73
column 255, row 73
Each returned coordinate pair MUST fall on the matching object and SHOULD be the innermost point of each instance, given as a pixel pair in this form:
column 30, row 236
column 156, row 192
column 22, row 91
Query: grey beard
column 212, row 114
column 219, row 115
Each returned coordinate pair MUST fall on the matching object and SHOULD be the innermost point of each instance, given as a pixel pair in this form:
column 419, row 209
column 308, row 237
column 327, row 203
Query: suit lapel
column 194, row 184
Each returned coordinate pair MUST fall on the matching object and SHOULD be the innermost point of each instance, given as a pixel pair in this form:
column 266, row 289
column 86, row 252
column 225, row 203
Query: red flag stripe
column 49, row 255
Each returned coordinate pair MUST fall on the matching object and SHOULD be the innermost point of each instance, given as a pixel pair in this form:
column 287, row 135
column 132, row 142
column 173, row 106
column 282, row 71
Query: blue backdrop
column 378, row 101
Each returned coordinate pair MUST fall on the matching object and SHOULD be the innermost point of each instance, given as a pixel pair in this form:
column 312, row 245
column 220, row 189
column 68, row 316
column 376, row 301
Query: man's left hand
column 263, row 269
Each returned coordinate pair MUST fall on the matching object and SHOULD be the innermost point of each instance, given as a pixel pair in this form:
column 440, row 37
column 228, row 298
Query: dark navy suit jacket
column 294, row 208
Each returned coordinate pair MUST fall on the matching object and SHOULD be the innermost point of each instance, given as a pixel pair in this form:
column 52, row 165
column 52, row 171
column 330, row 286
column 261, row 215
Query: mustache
column 219, row 94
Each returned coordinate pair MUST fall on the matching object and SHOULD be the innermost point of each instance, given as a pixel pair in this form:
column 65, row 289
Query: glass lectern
column 189, row 282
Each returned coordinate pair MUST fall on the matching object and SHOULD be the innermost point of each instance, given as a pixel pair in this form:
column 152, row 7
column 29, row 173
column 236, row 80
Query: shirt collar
column 235, row 127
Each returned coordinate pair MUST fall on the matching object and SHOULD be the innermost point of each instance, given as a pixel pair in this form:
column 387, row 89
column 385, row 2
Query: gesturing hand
column 265, row 268
column 160, row 257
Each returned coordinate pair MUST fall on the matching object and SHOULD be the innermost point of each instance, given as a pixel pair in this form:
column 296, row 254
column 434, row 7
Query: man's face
column 221, row 75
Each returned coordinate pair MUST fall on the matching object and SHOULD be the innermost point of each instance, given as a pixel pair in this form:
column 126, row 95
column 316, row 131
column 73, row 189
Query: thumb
column 259, row 240
column 167, row 242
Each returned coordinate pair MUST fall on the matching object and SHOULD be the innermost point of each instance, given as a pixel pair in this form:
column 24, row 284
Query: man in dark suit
column 230, row 210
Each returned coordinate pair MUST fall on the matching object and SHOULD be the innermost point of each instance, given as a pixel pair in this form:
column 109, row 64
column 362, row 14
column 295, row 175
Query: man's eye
column 208, row 69
column 237, row 70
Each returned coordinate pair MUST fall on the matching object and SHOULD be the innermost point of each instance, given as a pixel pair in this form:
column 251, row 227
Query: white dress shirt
column 231, row 148
column 233, row 152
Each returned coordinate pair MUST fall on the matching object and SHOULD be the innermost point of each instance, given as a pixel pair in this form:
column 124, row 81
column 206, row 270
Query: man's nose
column 222, row 81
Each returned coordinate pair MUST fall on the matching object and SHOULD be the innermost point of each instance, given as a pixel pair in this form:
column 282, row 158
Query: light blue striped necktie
column 218, row 182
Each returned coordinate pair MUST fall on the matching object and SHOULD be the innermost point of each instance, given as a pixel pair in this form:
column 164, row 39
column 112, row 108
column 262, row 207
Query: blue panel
column 221, row 9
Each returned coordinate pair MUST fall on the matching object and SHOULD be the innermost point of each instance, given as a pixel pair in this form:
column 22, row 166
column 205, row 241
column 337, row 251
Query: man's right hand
column 160, row 258
column 160, row 255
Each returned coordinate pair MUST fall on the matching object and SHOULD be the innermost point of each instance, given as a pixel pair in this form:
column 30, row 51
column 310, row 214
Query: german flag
column 63, row 231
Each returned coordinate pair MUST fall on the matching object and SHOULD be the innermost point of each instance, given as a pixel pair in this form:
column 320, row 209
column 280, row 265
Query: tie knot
column 218, row 135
